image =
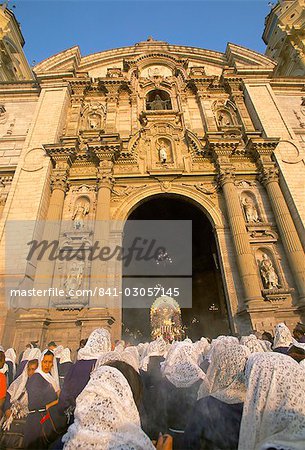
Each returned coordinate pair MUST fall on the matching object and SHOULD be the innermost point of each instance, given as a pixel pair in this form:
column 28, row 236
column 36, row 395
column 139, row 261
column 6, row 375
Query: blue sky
column 52, row 26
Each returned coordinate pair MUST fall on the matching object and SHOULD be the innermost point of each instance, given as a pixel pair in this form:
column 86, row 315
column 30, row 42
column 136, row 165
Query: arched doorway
column 208, row 314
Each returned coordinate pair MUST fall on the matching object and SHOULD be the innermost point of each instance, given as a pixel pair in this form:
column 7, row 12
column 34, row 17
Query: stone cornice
column 64, row 153
column 106, row 148
column 262, row 147
column 222, row 146
column 19, row 88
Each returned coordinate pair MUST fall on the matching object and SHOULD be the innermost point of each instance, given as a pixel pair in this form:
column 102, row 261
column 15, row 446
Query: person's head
column 82, row 343
column 258, row 334
column 266, row 336
column 2, row 359
column 133, row 378
column 28, row 346
column 299, row 331
column 47, row 362
column 297, row 353
column 153, row 367
column 32, row 366
column 52, row 345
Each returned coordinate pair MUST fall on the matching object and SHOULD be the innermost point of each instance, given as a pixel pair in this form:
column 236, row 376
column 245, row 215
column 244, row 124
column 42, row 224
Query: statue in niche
column 250, row 210
column 80, row 211
column 74, row 278
column 224, row 118
column 94, row 121
column 158, row 103
column 164, row 152
column 269, row 276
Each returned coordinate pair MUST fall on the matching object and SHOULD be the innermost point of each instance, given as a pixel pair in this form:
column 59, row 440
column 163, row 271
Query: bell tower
column 13, row 63
column 285, row 37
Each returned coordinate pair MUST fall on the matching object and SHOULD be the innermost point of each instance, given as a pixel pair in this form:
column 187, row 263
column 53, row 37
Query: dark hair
column 133, row 378
column 2, row 359
column 154, row 368
column 297, row 350
column 49, row 352
column 51, row 343
column 267, row 336
column 33, row 361
column 83, row 342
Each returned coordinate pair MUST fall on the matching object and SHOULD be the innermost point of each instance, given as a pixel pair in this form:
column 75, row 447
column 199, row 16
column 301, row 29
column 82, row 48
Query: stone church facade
column 92, row 137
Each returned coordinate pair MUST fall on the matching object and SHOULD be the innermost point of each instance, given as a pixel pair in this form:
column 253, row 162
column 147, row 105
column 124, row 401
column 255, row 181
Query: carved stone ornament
column 114, row 72
column 226, row 176
column 93, row 116
column 269, row 174
column 244, row 183
column 278, row 297
column 302, row 108
column 121, row 191
column 59, row 181
column 197, row 72
column 33, row 159
column 262, row 235
column 105, row 173
column 83, row 189
column 165, row 185
column 73, row 280
column 3, row 114
column 3, row 198
column 203, row 188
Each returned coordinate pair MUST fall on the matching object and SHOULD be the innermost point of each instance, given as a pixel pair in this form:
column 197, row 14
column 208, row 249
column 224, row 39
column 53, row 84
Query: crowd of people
column 243, row 393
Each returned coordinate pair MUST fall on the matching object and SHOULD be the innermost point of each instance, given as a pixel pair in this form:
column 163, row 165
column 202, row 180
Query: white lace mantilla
column 106, row 417
column 99, row 342
column 225, row 374
column 181, row 365
column 274, row 409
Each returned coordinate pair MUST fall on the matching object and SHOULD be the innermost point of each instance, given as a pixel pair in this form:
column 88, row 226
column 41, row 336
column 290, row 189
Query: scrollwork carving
column 269, row 174
column 225, row 176
column 121, row 191
column 59, row 181
column 105, row 174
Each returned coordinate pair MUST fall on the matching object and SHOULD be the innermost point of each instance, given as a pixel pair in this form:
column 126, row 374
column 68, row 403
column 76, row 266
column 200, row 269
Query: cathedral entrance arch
column 208, row 315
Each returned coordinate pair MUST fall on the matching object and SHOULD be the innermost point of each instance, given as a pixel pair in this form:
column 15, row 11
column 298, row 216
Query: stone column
column 105, row 153
column 62, row 157
column 263, row 151
column 105, row 182
column 286, row 227
column 245, row 258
